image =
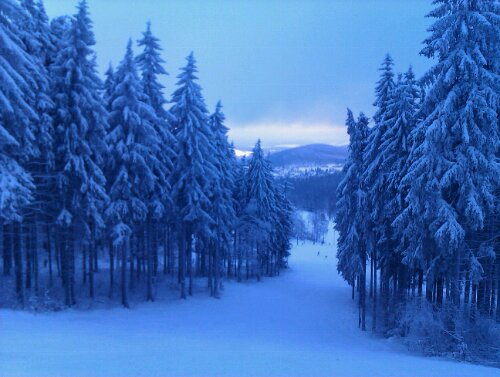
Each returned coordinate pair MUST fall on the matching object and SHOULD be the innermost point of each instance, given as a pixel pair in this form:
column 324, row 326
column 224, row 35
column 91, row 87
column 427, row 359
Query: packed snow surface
column 302, row 323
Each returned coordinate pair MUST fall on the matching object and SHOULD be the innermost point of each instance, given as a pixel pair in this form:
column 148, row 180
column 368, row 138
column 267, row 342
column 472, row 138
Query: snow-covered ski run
column 302, row 323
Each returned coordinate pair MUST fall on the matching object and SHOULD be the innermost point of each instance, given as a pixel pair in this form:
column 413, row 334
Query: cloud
column 276, row 134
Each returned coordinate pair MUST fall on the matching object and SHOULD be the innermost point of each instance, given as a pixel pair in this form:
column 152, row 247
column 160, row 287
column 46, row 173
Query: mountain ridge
column 310, row 155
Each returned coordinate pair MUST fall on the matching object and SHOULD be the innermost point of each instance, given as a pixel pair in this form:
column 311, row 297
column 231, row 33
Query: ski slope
column 300, row 324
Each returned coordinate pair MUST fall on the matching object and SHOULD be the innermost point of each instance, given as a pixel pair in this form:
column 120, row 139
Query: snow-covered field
column 300, row 324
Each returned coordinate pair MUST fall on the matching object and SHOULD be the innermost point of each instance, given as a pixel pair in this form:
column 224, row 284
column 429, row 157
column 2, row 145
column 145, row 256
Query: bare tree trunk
column 149, row 256
column 72, row 269
column 189, row 258
column 498, row 291
column 92, row 255
column 49, row 254
column 473, row 301
column 211, row 267
column 440, row 288
column 182, row 260
column 84, row 264
column 467, row 289
column 420, row 282
column 7, row 251
column 18, row 261
column 95, row 257
column 371, row 275
column 165, row 249
column 26, row 231
column 124, row 254
column 111, row 269
column 65, row 266
column 132, row 252
column 216, row 269
column 374, row 287
column 37, row 248
column 363, row 292
column 455, row 283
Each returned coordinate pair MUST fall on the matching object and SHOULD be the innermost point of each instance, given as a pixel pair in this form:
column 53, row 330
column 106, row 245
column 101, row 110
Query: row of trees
column 102, row 176
column 418, row 209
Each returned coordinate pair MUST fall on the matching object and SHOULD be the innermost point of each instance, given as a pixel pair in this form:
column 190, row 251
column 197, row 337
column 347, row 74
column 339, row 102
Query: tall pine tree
column 194, row 169
column 80, row 148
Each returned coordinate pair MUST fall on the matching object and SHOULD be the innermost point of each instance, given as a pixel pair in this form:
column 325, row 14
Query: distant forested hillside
column 313, row 154
column 314, row 192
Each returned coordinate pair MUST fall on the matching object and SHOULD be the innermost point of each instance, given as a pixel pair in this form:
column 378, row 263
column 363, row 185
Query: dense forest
column 313, row 191
column 418, row 211
column 110, row 181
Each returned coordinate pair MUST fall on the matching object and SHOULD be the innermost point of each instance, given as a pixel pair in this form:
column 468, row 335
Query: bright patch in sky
column 287, row 134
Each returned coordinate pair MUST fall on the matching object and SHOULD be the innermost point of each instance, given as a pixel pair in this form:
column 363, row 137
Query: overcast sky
column 284, row 70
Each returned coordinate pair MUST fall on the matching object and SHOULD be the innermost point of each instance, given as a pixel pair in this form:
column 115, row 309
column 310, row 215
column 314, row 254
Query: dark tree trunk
column 374, row 286
column 467, row 289
column 211, row 267
column 182, row 260
column 28, row 242
column 473, row 301
column 481, row 296
column 37, row 247
column 498, row 290
column 455, row 283
column 49, row 255
column 65, row 266
column 7, row 242
column 124, row 254
column 189, row 259
column 111, row 270
column 132, row 252
column 84, row 264
column 72, row 271
column 165, row 250
column 363, row 292
column 216, row 269
column 92, row 256
column 95, row 258
column 440, row 289
column 371, row 275
column 18, row 261
column 420, row 282
column 149, row 256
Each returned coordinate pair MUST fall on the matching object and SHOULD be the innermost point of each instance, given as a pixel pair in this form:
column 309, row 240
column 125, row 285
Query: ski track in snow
column 302, row 323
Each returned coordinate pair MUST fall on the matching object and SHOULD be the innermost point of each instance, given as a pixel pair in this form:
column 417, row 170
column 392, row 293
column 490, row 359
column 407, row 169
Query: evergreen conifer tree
column 194, row 169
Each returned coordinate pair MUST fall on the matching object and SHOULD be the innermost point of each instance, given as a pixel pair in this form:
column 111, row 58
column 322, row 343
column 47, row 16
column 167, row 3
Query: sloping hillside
column 310, row 155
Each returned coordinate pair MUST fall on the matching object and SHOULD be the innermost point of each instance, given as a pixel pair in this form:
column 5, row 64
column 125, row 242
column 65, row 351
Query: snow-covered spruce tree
column 37, row 39
column 260, row 208
column 454, row 175
column 194, row 167
column 109, row 86
column 351, row 211
column 59, row 26
column 240, row 200
column 374, row 178
column 395, row 150
column 134, row 146
column 19, row 79
column 150, row 64
column 283, row 229
column 80, row 149
column 223, row 211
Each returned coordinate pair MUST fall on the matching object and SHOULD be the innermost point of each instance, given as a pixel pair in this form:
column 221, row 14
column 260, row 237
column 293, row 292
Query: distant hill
column 310, row 155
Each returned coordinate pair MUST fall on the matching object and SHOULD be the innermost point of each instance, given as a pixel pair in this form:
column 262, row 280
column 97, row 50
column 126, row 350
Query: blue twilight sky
column 285, row 70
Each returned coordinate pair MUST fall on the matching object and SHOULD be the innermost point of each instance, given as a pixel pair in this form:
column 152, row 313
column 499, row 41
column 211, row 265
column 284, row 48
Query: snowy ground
column 300, row 324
